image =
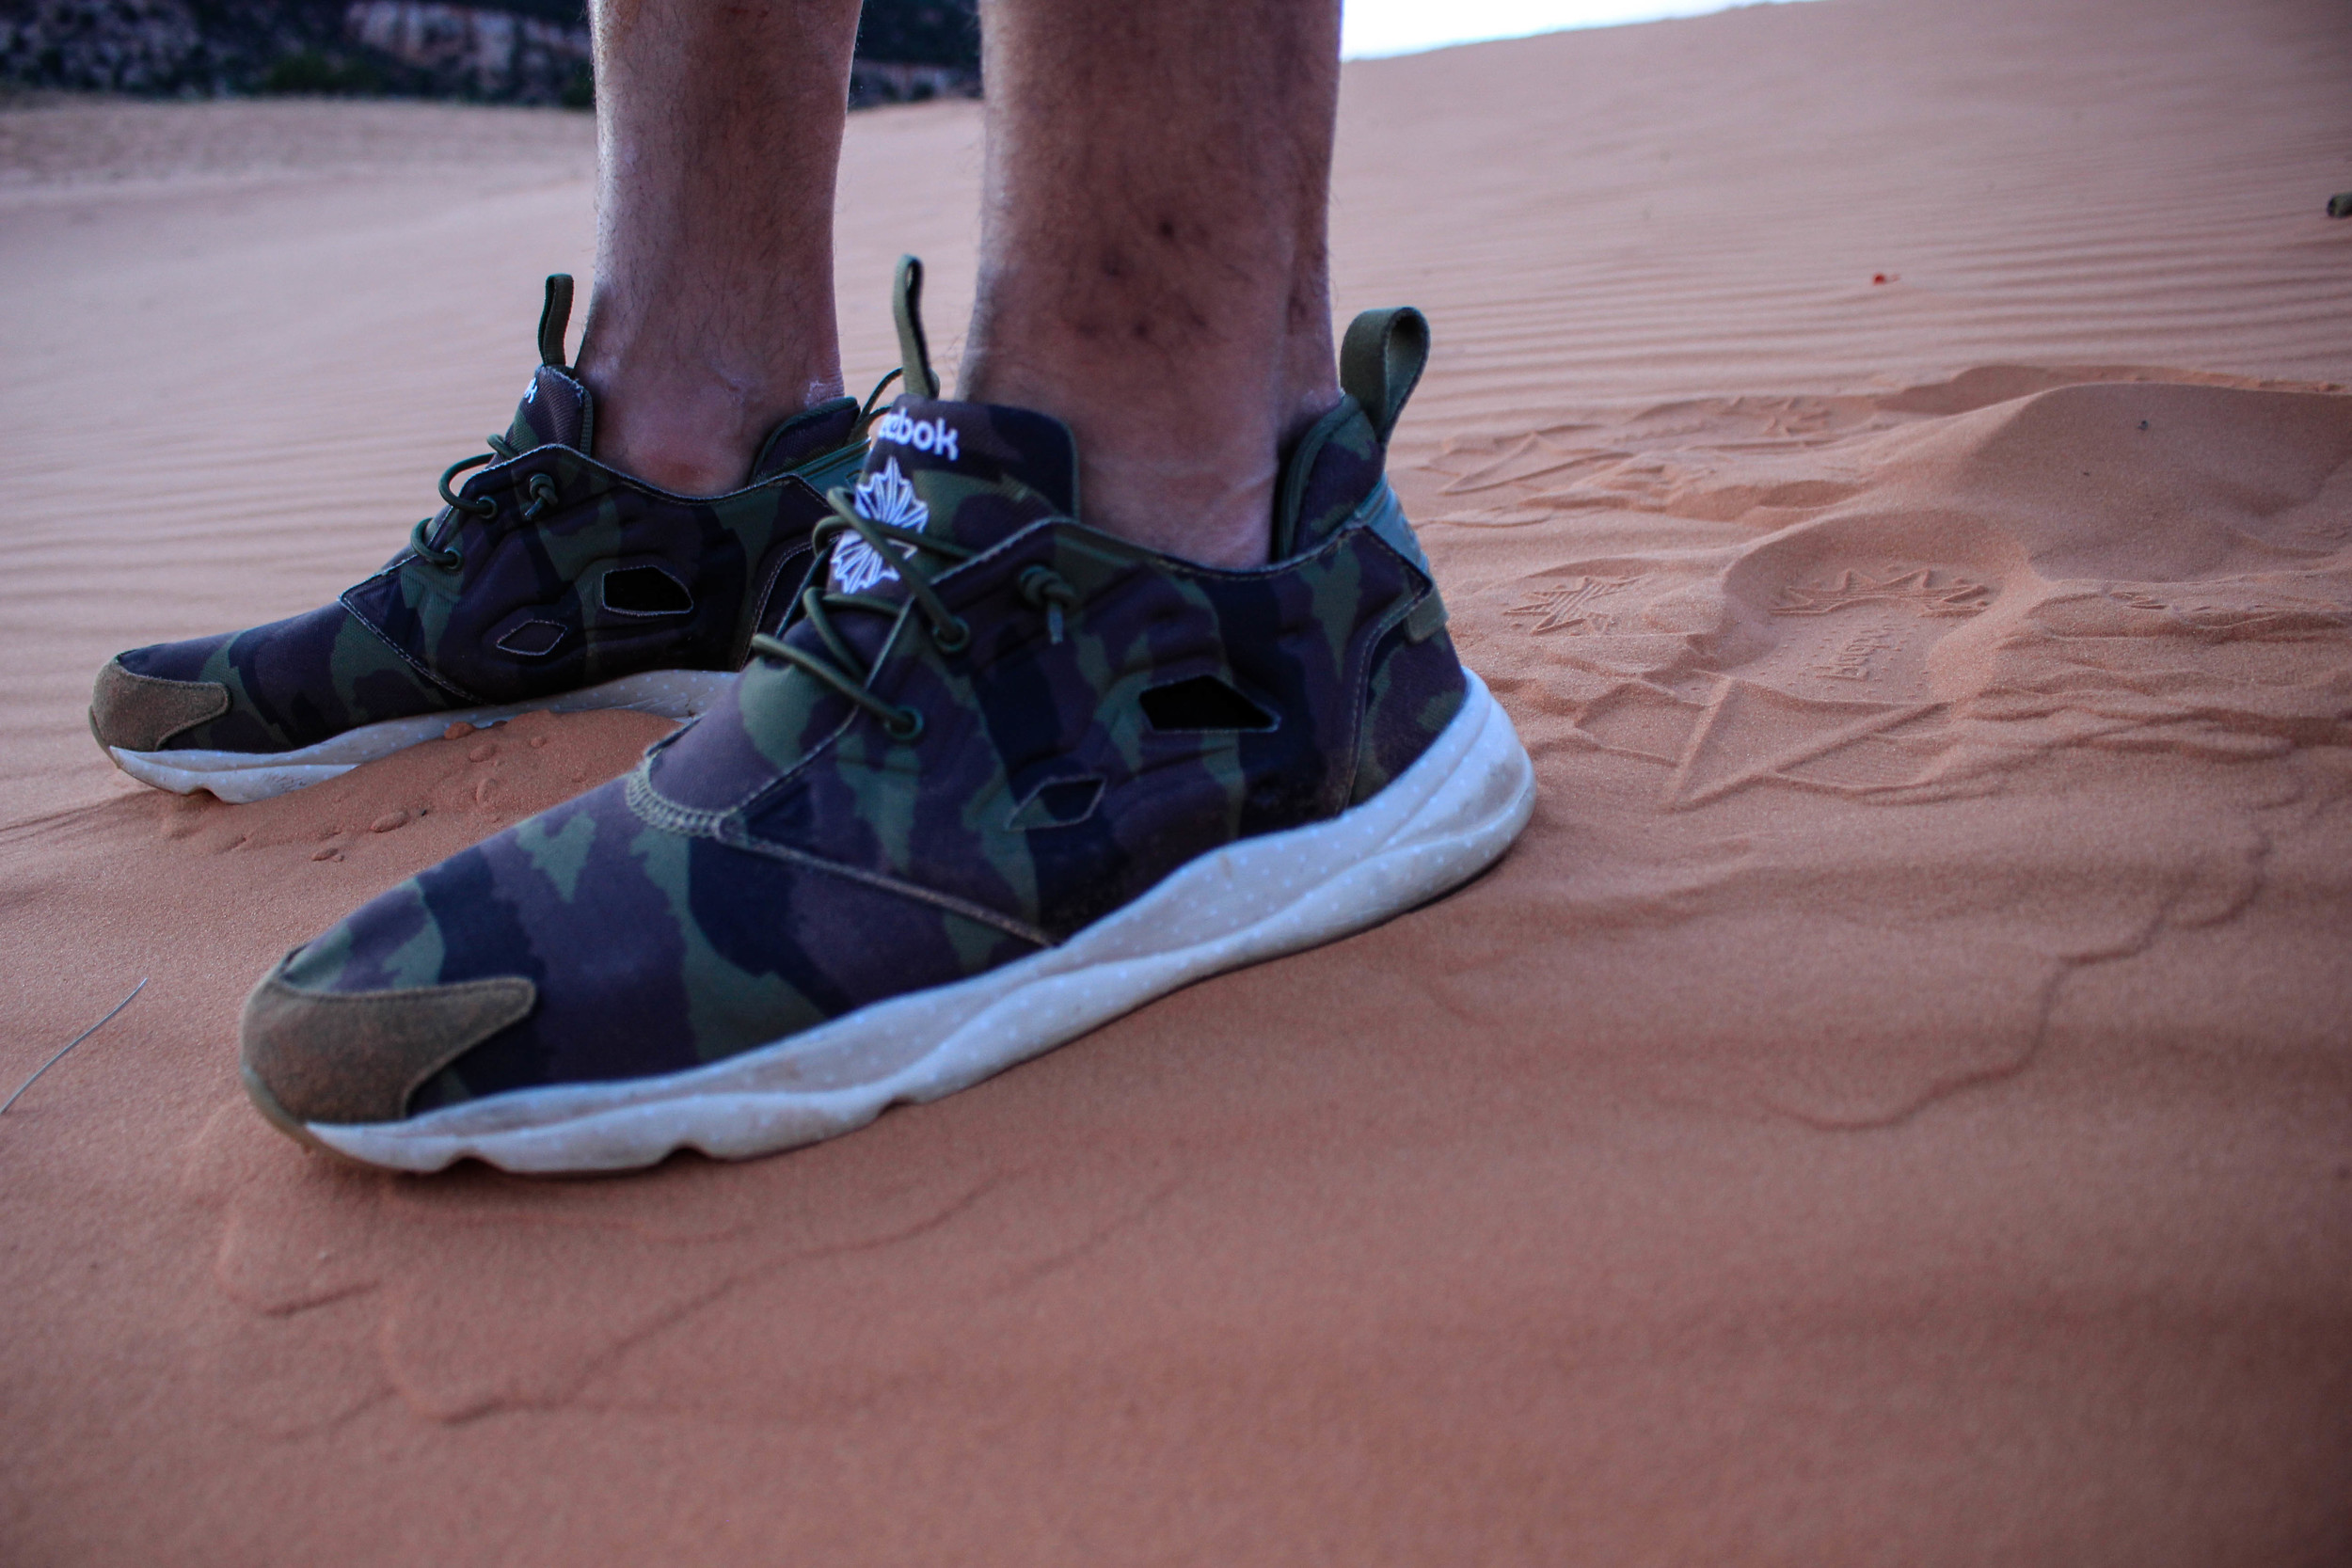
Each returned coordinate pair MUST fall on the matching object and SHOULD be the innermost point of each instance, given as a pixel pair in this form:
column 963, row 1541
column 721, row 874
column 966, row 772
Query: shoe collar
column 978, row 471
column 557, row 408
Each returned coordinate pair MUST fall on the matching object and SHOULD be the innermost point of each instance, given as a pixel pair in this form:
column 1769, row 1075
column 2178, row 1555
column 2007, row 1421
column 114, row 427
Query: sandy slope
column 1895, row 1105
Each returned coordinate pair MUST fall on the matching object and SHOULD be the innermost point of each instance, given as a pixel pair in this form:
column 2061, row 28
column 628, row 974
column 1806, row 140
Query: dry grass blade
column 70, row 1045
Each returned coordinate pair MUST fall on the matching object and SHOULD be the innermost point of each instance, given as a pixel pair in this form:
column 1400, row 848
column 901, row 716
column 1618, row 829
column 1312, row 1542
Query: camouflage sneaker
column 548, row 581
column 1004, row 777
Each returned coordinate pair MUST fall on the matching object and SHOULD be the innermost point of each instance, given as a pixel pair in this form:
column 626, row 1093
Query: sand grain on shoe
column 1891, row 1105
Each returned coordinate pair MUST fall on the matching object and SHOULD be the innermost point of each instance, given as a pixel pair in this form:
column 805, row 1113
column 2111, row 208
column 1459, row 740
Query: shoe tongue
column 973, row 472
column 556, row 411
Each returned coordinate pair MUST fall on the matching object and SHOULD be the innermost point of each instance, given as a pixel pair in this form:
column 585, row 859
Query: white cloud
column 1373, row 27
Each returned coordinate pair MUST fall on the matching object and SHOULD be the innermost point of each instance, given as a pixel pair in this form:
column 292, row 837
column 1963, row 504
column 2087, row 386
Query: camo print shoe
column 1003, row 779
column 548, row 581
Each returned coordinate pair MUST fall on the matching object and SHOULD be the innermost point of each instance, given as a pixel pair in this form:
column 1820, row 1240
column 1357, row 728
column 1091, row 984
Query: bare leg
column 719, row 130
column 1152, row 263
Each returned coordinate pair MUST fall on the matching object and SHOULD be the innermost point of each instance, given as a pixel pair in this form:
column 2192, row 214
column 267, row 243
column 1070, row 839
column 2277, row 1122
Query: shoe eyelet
column 954, row 637
column 1042, row 588
column 906, row 726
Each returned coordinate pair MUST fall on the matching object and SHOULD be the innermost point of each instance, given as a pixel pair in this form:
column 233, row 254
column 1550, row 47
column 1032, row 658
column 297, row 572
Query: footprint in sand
column 1873, row 631
column 2105, row 562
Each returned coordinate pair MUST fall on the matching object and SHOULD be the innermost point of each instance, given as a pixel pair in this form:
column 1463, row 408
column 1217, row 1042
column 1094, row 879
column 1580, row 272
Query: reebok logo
column 884, row 498
column 857, row 566
column 932, row 436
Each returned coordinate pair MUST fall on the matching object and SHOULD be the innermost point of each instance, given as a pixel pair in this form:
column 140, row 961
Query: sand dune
column 1893, row 1105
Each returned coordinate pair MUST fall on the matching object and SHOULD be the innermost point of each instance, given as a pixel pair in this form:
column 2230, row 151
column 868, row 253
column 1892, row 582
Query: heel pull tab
column 1380, row 362
column 906, row 304
column 555, row 317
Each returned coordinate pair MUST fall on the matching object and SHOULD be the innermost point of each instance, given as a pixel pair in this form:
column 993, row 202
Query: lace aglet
column 1053, row 621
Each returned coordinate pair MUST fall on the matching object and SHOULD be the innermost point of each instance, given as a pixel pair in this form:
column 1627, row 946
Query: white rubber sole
column 238, row 777
column 1445, row 819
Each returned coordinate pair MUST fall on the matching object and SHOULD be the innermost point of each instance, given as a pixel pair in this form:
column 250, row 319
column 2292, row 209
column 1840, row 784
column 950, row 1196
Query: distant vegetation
column 514, row 52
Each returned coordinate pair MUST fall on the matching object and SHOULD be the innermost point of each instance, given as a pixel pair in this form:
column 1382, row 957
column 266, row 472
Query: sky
column 1373, row 27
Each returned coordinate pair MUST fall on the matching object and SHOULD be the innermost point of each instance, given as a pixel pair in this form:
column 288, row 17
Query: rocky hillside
column 519, row 51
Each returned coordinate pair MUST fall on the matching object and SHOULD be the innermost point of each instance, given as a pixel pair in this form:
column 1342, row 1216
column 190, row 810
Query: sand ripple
column 1890, row 1107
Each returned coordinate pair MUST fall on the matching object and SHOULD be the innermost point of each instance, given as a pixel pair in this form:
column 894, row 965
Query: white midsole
column 1445, row 819
column 238, row 777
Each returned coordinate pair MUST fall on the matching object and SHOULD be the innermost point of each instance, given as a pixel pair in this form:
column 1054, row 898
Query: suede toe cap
column 342, row 1057
column 141, row 713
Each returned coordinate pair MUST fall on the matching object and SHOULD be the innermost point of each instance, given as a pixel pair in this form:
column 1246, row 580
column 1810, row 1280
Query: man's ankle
column 1215, row 516
column 693, row 430
column 1196, row 479
column 693, row 445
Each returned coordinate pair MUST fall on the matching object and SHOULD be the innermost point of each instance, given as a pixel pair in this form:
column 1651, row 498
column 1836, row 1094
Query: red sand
column 1895, row 1105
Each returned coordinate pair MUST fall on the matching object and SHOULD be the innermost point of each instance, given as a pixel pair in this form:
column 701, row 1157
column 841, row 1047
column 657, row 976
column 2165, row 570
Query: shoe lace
column 426, row 537
column 873, row 400
column 846, row 670
column 838, row 664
